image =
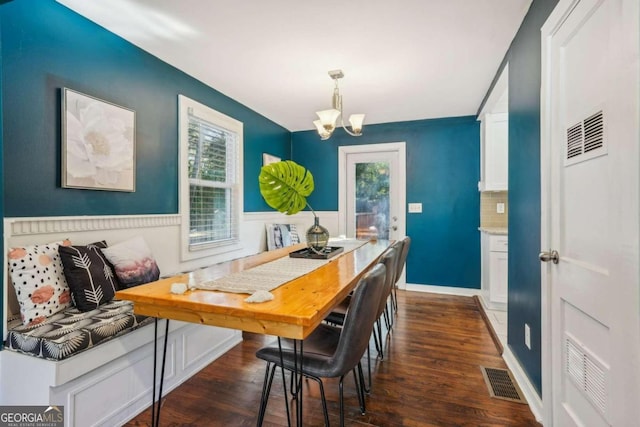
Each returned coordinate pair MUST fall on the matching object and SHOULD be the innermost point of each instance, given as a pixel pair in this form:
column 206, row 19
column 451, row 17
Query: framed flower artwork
column 98, row 144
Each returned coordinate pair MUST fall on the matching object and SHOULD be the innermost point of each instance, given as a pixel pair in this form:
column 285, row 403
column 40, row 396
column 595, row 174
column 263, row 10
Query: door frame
column 344, row 151
column 550, row 27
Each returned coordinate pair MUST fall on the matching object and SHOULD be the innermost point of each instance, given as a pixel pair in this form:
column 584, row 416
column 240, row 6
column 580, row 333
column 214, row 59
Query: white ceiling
column 402, row 60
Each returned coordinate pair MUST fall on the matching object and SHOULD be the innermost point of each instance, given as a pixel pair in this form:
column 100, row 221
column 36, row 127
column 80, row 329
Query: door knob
column 549, row 256
column 395, row 218
column 394, row 227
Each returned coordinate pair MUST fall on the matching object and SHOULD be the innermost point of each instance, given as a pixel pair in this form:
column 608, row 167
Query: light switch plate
column 500, row 208
column 415, row 207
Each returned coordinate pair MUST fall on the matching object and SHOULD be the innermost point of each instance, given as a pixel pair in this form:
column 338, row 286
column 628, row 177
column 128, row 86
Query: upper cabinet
column 494, row 138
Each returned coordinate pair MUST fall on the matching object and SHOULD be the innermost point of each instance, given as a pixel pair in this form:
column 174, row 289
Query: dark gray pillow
column 89, row 274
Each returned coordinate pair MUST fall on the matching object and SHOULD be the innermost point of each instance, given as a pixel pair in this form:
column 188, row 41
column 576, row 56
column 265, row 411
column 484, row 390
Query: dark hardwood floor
column 430, row 377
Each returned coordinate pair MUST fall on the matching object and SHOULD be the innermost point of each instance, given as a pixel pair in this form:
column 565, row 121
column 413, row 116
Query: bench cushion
column 71, row 331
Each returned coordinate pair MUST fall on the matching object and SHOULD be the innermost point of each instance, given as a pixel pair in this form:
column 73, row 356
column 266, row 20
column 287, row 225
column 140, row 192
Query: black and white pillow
column 89, row 275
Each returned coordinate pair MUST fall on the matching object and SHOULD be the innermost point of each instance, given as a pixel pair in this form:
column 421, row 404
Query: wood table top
column 297, row 308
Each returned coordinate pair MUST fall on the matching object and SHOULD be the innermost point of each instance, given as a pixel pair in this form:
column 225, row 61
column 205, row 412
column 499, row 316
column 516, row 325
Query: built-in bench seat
column 71, row 331
column 99, row 364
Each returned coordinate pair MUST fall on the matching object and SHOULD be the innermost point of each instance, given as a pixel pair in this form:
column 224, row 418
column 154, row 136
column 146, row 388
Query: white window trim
column 226, row 122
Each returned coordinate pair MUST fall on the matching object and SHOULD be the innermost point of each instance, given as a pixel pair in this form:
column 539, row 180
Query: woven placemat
column 266, row 277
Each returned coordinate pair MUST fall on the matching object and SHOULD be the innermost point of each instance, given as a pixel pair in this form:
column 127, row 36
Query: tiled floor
column 498, row 320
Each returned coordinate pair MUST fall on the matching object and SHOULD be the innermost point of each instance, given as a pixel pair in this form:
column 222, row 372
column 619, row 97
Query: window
column 210, row 180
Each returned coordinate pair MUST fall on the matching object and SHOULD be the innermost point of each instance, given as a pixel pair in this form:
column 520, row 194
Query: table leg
column 155, row 415
column 153, row 385
column 284, row 383
column 299, row 384
column 297, row 380
column 296, row 384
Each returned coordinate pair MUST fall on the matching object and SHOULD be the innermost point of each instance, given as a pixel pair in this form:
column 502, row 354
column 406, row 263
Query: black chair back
column 389, row 259
column 402, row 259
column 358, row 324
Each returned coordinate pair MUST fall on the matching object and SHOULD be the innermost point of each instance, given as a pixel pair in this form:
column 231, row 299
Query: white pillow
column 38, row 279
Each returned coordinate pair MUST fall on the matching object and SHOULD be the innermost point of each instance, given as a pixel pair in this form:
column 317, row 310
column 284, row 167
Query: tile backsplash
column 489, row 217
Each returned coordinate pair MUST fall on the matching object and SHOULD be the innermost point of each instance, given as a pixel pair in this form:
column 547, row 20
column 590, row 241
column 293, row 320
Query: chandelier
column 329, row 118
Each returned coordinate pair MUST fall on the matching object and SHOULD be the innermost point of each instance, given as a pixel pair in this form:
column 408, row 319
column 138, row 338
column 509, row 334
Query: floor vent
column 501, row 385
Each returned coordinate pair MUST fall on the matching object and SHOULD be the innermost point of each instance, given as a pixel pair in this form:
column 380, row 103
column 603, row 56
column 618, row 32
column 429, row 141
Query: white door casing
column 590, row 186
column 395, row 154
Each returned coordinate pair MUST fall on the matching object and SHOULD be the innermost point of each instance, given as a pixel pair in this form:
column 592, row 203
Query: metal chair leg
column 394, row 300
column 365, row 388
column 323, row 399
column 387, row 317
column 380, row 350
column 359, row 388
column 341, row 387
column 377, row 340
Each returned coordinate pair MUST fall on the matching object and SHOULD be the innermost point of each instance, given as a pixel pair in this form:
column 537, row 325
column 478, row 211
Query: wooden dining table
column 296, row 310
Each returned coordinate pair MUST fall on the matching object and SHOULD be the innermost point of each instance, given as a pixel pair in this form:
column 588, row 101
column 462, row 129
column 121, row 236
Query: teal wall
column 47, row 47
column 1, row 187
column 443, row 169
column 525, row 303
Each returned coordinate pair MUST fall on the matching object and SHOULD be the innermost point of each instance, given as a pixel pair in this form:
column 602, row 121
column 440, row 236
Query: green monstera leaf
column 285, row 186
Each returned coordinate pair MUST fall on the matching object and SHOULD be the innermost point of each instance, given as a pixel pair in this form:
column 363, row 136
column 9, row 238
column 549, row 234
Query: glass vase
column 317, row 236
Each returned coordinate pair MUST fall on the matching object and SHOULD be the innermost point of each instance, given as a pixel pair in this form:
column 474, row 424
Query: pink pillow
column 133, row 262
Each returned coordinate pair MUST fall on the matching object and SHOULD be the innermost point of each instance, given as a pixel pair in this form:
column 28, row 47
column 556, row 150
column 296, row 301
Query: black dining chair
column 329, row 351
column 402, row 259
column 389, row 259
column 388, row 309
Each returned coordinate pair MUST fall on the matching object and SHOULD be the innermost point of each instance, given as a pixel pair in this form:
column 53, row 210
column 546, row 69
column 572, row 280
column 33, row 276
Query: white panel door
column 590, row 190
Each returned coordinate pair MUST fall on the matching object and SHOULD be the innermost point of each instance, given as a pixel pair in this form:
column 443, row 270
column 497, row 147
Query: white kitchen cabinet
column 494, row 258
column 494, row 152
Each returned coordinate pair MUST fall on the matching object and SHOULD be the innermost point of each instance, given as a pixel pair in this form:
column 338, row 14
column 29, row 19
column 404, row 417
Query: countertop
column 494, row 230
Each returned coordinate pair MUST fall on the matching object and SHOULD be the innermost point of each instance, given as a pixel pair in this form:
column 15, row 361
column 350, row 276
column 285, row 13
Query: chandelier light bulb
column 328, row 118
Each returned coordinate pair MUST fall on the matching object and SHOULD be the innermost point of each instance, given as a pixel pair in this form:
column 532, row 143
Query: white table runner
column 271, row 275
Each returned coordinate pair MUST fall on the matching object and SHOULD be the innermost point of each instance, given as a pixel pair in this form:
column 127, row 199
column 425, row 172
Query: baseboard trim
column 492, row 331
column 527, row 388
column 447, row 290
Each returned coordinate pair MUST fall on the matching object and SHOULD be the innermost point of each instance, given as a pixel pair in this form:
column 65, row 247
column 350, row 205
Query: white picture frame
column 269, row 158
column 98, row 144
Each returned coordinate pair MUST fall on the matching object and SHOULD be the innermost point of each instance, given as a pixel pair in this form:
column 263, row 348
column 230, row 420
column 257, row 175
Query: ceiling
column 402, row 60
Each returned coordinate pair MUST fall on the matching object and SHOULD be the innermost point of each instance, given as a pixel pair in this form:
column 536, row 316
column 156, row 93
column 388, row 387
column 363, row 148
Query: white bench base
column 111, row 383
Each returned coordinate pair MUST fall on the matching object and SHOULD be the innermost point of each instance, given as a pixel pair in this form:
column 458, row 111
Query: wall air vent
column 574, row 141
column 587, row 373
column 585, row 139
column 593, row 132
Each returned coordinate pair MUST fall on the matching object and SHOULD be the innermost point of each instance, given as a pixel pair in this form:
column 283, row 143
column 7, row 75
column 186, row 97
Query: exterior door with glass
column 372, row 191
